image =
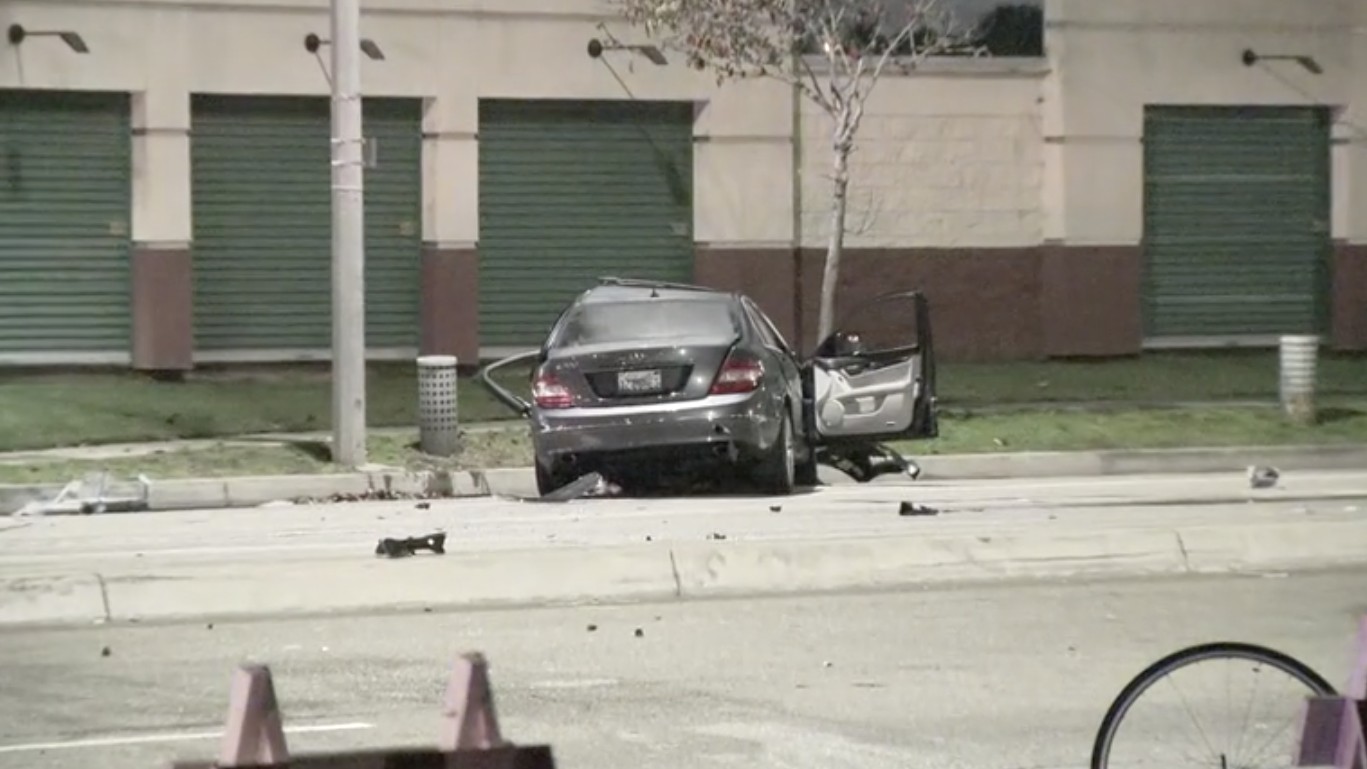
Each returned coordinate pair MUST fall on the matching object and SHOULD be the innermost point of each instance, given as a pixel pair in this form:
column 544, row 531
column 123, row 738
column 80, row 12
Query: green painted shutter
column 263, row 222
column 1236, row 220
column 65, row 193
column 570, row 191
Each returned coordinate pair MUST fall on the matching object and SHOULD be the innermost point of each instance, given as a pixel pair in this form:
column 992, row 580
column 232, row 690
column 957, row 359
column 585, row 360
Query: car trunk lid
column 619, row 376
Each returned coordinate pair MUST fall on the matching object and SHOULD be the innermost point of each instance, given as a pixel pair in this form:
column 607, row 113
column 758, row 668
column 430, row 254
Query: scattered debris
column 1350, row 509
column 589, row 485
column 716, row 535
column 209, row 626
column 1262, row 477
column 423, row 506
column 912, row 508
column 775, row 508
column 401, row 548
column 592, row 628
column 106, row 651
column 93, row 494
column 375, row 495
column 827, row 664
column 866, row 463
column 640, row 633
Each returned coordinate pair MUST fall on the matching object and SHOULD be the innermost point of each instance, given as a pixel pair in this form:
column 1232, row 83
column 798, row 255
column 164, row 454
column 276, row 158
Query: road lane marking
column 147, row 739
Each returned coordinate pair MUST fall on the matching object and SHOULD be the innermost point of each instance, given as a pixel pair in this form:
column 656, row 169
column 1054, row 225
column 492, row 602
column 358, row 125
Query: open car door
column 502, row 394
column 872, row 381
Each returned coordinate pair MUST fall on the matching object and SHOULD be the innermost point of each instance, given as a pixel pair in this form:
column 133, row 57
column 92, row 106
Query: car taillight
column 549, row 393
column 739, row 374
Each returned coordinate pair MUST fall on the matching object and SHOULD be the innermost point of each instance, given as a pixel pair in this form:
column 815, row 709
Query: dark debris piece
column 640, row 633
column 372, row 495
column 400, row 548
column 716, row 535
column 911, row 508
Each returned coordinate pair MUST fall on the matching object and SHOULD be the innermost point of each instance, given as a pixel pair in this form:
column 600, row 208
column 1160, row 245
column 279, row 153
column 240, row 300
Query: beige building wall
column 1109, row 59
column 449, row 52
column 950, row 156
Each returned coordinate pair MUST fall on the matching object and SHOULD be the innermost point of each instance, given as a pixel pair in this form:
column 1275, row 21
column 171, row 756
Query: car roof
column 617, row 294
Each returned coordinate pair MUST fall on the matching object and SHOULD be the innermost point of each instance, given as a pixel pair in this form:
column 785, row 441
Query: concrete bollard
column 1298, row 358
column 438, row 420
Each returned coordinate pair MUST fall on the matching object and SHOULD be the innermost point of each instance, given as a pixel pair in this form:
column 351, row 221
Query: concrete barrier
column 66, row 598
column 549, row 575
column 174, row 589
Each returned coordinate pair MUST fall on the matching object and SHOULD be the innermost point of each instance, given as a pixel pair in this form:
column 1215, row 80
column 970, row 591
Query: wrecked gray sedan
column 642, row 378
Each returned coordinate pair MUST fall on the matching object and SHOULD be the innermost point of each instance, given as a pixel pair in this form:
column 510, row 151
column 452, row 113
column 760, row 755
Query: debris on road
column 423, row 506
column 716, row 535
column 1262, row 477
column 912, row 508
column 592, row 628
column 588, row 485
column 106, row 651
column 640, row 633
column 401, row 548
column 375, row 495
column 93, row 494
column 775, row 508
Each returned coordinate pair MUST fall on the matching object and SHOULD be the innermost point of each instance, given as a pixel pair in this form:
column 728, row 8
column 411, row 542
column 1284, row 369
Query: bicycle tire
column 1101, row 746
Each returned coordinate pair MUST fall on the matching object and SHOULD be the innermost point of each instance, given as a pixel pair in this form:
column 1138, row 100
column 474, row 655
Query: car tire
column 777, row 471
column 547, row 480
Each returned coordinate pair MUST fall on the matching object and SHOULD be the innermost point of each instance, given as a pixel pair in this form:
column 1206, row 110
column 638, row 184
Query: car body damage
column 651, row 377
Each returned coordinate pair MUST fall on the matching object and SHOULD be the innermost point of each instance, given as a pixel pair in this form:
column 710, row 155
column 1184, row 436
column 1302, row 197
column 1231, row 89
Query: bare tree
column 831, row 51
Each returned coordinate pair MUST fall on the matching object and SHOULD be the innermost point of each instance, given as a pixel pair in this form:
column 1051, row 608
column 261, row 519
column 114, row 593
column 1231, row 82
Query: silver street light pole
column 348, row 240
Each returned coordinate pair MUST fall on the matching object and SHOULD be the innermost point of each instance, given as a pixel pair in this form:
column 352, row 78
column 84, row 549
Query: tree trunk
column 830, row 275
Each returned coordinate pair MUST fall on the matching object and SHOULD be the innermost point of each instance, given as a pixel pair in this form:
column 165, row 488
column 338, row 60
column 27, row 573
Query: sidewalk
column 319, row 558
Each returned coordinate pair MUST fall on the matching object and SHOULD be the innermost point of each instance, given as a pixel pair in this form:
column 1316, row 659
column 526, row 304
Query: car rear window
column 647, row 321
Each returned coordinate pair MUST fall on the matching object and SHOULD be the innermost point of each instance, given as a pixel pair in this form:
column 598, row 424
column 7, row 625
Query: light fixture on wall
column 653, row 54
column 1251, row 57
column 372, row 51
column 17, row 34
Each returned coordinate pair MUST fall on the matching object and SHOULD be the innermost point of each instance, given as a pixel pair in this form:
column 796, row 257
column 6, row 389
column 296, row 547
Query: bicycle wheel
column 1167, row 733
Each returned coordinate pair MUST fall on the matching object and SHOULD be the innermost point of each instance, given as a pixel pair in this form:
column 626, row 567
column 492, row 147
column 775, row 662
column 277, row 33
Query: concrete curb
column 663, row 571
column 1141, row 461
column 203, row 493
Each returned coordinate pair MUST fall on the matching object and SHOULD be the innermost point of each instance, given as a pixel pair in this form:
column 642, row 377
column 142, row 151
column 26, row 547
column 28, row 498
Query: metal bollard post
column 1298, row 358
column 438, row 422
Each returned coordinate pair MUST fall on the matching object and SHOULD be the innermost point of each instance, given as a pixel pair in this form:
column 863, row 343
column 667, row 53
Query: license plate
column 638, row 381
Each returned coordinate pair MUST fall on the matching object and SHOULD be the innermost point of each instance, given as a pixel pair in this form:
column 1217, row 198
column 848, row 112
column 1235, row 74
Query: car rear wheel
column 548, row 480
column 777, row 471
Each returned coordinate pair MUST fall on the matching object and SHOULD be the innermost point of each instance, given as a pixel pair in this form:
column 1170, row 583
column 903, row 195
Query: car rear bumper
column 739, row 420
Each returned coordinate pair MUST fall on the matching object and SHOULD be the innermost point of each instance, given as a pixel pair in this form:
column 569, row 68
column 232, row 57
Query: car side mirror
column 840, row 345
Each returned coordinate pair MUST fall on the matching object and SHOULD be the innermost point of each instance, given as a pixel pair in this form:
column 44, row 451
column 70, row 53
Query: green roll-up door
column 263, row 222
column 65, row 192
column 570, row 191
column 1236, row 221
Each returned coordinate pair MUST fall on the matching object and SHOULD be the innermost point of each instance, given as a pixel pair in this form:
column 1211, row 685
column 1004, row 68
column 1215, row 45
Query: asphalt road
column 1003, row 676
